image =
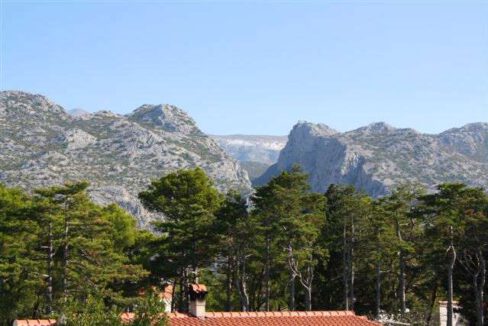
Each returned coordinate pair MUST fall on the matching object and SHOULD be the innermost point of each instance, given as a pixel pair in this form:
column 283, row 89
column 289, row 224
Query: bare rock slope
column 255, row 153
column 378, row 157
column 41, row 144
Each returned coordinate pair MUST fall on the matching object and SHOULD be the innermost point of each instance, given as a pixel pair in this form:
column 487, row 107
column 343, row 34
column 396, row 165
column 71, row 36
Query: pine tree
column 89, row 243
column 189, row 202
column 288, row 208
column 237, row 242
column 21, row 266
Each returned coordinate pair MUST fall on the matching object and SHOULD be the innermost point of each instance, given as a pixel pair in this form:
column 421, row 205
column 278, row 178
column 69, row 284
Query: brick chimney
column 197, row 292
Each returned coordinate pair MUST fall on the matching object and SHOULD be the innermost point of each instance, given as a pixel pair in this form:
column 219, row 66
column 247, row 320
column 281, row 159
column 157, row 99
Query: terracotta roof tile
column 272, row 318
column 313, row 318
column 34, row 322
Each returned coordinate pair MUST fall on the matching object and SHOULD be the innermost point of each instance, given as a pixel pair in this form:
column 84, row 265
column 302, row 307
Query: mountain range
column 379, row 157
column 41, row 145
column 255, row 153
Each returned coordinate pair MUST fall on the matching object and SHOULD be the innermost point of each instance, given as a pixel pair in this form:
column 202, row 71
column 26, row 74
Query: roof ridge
column 254, row 314
column 34, row 322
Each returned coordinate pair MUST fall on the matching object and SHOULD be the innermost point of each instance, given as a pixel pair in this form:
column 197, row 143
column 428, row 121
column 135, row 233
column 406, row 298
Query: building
column 198, row 316
column 457, row 318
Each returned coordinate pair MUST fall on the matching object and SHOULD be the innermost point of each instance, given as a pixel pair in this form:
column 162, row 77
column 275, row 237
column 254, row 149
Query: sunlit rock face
column 379, row 157
column 41, row 145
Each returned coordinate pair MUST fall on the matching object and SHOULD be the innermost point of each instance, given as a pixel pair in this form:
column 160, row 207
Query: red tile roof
column 285, row 318
column 35, row 322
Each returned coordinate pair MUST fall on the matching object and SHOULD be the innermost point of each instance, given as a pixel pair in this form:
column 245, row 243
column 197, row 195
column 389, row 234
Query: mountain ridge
column 255, row 152
column 42, row 145
column 378, row 157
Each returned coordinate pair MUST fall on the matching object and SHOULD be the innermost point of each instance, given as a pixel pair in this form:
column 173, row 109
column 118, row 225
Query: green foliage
column 20, row 269
column 89, row 312
column 291, row 219
column 150, row 311
column 189, row 202
column 290, row 249
column 57, row 246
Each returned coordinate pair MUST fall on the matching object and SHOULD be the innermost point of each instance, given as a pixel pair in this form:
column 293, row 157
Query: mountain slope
column 378, row 157
column 256, row 153
column 41, row 145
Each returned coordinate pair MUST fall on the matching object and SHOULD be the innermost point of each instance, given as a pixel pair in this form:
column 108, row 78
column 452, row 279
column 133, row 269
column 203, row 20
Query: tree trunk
column 245, row 295
column 482, row 289
column 228, row 285
column 450, row 293
column 50, row 256
column 291, row 305
column 449, row 296
column 479, row 280
column 433, row 300
column 477, row 299
column 351, row 263
column 378, row 289
column 183, row 291
column 241, row 283
column 267, row 275
column 65, row 257
column 308, row 298
column 345, row 273
column 401, row 282
column 401, row 276
column 173, row 301
column 258, row 290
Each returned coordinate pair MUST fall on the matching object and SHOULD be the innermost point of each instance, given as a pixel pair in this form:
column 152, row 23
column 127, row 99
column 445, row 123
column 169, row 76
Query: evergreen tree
column 189, row 202
column 21, row 269
column 445, row 214
column 292, row 218
column 237, row 242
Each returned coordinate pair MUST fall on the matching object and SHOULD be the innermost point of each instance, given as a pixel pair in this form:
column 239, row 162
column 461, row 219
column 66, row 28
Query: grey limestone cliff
column 255, row 153
column 378, row 157
column 41, row 145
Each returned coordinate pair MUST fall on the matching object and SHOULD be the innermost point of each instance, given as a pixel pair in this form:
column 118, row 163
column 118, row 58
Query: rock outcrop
column 378, row 157
column 42, row 145
column 255, row 153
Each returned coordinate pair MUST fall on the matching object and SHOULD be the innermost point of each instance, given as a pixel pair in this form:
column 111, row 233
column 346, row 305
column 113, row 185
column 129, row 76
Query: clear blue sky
column 257, row 68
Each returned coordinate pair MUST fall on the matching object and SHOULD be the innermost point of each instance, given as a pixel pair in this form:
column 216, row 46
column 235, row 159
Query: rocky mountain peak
column 79, row 113
column 376, row 128
column 470, row 127
column 308, row 128
column 21, row 103
column 42, row 145
column 163, row 116
column 378, row 157
column 470, row 140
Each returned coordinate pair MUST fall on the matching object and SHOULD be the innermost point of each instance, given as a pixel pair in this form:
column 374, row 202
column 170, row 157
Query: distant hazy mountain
column 41, row 145
column 378, row 157
column 78, row 113
column 256, row 153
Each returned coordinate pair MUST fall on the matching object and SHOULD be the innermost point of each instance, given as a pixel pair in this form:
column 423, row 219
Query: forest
column 284, row 248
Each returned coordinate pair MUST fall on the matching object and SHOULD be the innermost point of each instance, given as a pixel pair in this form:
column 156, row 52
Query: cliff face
column 378, row 157
column 255, row 153
column 249, row 148
column 42, row 145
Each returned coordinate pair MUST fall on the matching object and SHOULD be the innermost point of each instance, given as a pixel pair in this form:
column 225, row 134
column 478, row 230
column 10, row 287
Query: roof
column 285, row 318
column 280, row 318
column 197, row 288
column 35, row 322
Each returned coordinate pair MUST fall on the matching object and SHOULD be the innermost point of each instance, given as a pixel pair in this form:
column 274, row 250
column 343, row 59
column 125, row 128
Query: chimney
column 197, row 292
column 167, row 297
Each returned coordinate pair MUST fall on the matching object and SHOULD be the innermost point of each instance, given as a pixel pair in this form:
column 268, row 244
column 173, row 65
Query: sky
column 256, row 67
